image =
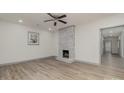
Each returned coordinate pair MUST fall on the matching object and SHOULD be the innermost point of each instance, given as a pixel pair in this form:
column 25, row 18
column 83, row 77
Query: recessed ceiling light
column 110, row 32
column 49, row 29
column 20, row 21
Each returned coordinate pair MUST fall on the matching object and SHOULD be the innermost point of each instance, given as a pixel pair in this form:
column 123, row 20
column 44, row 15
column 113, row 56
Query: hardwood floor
column 50, row 69
column 113, row 61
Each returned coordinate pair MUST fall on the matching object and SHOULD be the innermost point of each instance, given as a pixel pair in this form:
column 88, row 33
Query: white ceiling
column 32, row 19
column 112, row 31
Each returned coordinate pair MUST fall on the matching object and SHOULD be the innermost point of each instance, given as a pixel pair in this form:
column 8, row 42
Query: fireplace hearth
column 65, row 53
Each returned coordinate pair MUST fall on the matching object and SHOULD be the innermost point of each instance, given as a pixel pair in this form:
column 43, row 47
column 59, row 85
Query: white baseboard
column 29, row 60
column 57, row 58
column 76, row 60
column 87, row 62
column 65, row 60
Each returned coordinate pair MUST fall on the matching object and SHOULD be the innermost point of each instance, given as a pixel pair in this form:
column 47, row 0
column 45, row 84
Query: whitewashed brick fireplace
column 66, row 51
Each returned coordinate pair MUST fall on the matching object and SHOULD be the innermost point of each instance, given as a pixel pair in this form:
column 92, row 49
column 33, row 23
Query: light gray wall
column 87, row 38
column 14, row 47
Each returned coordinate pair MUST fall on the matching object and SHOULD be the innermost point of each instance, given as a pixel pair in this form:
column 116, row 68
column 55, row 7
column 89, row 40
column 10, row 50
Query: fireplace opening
column 65, row 53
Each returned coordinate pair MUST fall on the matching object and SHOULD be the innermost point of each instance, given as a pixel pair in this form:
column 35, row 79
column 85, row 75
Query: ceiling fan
column 56, row 19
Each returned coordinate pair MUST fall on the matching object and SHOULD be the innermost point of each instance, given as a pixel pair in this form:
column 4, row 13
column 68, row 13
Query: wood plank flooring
column 113, row 61
column 50, row 69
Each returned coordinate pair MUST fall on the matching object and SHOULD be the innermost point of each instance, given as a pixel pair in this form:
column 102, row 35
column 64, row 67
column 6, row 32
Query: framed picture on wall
column 33, row 38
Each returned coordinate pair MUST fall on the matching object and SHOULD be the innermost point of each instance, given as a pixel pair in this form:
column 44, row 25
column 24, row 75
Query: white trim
column 87, row 62
column 100, row 47
column 24, row 61
column 65, row 60
column 122, row 44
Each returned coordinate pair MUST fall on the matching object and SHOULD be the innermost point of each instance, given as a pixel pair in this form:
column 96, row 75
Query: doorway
column 107, row 45
column 112, row 46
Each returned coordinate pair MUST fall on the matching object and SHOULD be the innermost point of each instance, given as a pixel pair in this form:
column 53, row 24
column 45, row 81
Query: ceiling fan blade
column 55, row 23
column 51, row 15
column 62, row 16
column 48, row 20
column 62, row 21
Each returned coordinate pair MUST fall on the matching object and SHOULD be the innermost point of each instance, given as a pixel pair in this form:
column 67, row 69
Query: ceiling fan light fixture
column 56, row 19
